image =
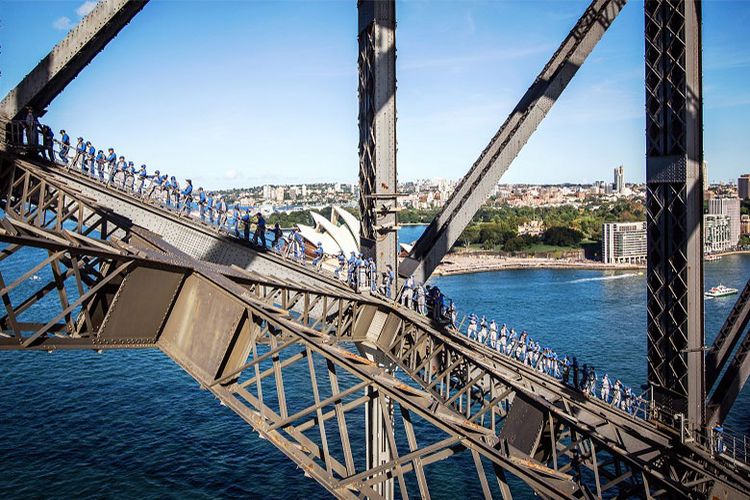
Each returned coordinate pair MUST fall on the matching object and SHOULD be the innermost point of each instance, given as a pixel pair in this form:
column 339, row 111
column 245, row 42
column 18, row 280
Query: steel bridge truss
column 441, row 402
column 674, row 207
column 447, row 395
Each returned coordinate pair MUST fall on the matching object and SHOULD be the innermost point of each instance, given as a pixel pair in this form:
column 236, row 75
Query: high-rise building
column 743, row 186
column 730, row 207
column 624, row 242
column 704, row 174
column 267, row 192
column 619, row 184
column 717, row 233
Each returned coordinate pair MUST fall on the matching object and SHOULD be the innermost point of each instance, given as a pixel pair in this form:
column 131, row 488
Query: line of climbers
column 114, row 171
column 525, row 350
column 358, row 272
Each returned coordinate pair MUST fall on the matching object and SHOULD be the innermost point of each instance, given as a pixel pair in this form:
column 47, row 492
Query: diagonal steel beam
column 728, row 336
column 478, row 183
column 730, row 384
column 58, row 68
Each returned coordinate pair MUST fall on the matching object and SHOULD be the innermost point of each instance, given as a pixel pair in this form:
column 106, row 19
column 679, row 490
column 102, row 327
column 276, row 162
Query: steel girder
column 112, row 263
column 477, row 185
column 244, row 359
column 86, row 290
column 472, row 383
column 58, row 68
column 674, row 206
column 603, row 448
column 377, row 131
column 731, row 382
column 573, row 452
column 727, row 338
column 196, row 239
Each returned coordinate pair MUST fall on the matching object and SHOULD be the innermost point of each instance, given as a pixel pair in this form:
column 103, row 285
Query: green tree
column 469, row 235
column 514, row 244
column 562, row 236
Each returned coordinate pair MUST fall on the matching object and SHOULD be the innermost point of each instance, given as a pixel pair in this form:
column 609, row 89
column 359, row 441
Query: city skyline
column 292, row 116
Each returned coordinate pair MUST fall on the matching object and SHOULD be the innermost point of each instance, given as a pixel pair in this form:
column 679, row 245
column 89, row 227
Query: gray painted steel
column 674, row 206
column 377, row 131
column 478, row 183
column 727, row 338
column 197, row 240
column 58, row 68
column 730, row 384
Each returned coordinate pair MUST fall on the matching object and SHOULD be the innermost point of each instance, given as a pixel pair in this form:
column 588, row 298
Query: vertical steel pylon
column 377, row 131
column 674, row 205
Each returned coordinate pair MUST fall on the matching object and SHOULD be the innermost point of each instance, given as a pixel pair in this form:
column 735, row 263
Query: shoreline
column 476, row 262
column 730, row 252
column 452, row 268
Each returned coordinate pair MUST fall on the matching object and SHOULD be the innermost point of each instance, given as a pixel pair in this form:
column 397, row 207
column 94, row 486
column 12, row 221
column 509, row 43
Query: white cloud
column 231, row 174
column 86, row 7
column 62, row 23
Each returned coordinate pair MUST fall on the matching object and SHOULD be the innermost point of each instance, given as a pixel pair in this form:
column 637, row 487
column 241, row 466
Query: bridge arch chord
column 35, row 199
column 611, row 448
column 63, row 290
column 245, row 327
column 190, row 237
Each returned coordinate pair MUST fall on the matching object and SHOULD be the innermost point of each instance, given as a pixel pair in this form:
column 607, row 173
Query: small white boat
column 711, row 258
column 720, row 291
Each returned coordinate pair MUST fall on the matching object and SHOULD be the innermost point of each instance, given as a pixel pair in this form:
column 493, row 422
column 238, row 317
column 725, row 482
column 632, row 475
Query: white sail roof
column 310, row 234
column 350, row 221
column 340, row 234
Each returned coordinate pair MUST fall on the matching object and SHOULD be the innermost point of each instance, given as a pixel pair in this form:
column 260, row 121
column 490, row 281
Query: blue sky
column 242, row 93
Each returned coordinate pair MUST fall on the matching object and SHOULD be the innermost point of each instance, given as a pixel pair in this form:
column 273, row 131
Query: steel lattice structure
column 377, row 131
column 433, row 402
column 674, row 206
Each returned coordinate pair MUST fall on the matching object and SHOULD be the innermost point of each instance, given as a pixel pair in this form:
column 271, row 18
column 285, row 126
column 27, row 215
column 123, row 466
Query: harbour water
column 133, row 424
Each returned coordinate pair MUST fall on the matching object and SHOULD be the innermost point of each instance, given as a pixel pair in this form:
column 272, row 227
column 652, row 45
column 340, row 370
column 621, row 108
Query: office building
column 619, row 184
column 624, row 242
column 717, row 233
column 730, row 207
column 743, row 186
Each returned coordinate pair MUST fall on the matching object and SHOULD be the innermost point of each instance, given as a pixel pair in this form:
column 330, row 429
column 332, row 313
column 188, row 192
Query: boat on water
column 711, row 258
column 720, row 291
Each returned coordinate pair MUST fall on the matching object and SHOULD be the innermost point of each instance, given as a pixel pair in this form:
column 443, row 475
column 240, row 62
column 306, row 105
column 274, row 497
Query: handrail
column 728, row 444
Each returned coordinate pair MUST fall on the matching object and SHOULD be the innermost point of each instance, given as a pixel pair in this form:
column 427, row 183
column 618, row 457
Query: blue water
column 409, row 234
column 131, row 423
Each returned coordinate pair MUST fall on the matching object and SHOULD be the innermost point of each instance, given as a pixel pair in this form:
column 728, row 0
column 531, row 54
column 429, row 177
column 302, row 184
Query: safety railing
column 732, row 446
column 722, row 442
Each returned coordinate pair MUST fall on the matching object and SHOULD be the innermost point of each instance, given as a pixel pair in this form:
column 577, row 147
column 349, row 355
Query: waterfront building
column 624, row 242
column 743, row 186
column 717, row 233
column 619, row 184
column 745, row 225
column 730, row 207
